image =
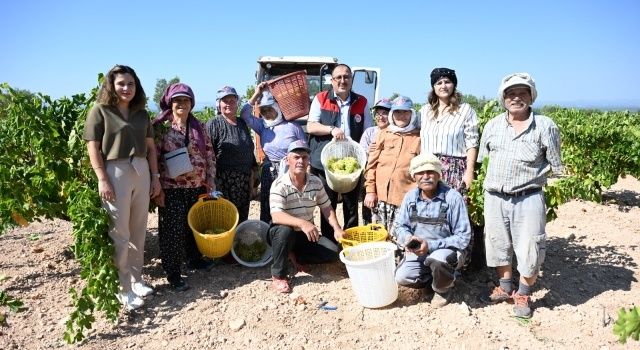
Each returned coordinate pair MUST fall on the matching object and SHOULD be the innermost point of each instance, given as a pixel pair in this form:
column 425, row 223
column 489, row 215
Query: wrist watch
column 331, row 129
column 156, row 175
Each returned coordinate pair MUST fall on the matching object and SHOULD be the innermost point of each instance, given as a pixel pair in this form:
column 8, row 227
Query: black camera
column 413, row 244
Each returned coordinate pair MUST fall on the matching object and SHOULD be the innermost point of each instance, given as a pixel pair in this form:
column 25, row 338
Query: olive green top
column 119, row 137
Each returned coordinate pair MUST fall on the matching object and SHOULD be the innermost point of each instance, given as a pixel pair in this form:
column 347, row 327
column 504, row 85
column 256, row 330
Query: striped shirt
column 368, row 137
column 451, row 134
column 520, row 162
column 285, row 197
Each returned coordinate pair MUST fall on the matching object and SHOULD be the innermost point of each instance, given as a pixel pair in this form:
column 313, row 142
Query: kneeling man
column 434, row 227
column 292, row 201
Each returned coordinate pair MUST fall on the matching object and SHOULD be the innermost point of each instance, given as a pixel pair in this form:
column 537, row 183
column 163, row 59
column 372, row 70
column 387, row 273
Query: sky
column 580, row 53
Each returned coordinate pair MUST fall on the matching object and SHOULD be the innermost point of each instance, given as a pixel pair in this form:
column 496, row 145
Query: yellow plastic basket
column 209, row 214
column 361, row 234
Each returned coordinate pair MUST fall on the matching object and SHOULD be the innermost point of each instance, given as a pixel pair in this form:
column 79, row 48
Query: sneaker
column 441, row 299
column 178, row 284
column 521, row 305
column 141, row 289
column 497, row 295
column 200, row 264
column 280, row 285
column 130, row 300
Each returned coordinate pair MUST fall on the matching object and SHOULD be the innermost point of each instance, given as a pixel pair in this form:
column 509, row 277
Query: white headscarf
column 409, row 127
column 279, row 119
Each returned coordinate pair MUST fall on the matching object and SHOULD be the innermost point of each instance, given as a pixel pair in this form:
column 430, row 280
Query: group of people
column 418, row 164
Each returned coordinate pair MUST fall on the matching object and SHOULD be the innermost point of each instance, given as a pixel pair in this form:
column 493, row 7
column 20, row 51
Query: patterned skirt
column 453, row 169
column 236, row 187
column 387, row 214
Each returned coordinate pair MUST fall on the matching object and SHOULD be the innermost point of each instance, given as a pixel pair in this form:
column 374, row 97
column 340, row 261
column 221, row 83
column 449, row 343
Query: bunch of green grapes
column 343, row 166
column 627, row 325
column 250, row 252
column 214, row 231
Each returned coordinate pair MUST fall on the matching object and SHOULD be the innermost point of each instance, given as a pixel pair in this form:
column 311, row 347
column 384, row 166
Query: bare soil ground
column 590, row 272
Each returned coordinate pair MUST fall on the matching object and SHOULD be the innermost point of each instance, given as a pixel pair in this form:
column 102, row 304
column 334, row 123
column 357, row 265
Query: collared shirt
column 451, row 133
column 520, row 162
column 285, row 197
column 387, row 172
column 457, row 232
column 343, row 121
column 344, row 115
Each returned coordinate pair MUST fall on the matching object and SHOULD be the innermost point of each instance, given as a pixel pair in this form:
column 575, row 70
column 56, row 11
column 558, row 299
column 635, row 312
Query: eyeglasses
column 342, row 77
column 382, row 114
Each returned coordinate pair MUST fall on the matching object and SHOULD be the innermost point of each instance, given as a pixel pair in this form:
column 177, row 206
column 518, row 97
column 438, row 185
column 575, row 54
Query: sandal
column 280, row 285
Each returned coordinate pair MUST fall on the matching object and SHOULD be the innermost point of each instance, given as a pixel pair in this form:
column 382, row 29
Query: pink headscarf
column 175, row 90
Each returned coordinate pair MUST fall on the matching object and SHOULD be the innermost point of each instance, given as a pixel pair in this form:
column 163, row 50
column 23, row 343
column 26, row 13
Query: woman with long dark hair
column 449, row 129
column 122, row 154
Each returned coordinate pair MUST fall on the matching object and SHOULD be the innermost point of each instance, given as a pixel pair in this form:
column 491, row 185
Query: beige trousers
column 128, row 213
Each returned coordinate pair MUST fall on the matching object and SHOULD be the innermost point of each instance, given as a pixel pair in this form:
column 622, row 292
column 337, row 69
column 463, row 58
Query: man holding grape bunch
column 337, row 113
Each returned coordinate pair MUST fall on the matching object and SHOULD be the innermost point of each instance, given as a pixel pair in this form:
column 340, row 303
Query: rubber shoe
column 200, row 264
column 428, row 293
column 141, row 289
column 521, row 305
column 179, row 285
column 441, row 299
column 497, row 295
column 280, row 285
column 130, row 300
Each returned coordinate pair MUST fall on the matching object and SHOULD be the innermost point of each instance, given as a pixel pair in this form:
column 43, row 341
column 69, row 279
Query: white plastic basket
column 247, row 233
column 371, row 267
column 341, row 149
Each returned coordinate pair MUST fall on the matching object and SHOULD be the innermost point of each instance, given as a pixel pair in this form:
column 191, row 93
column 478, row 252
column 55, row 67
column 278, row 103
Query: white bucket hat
column 424, row 162
column 517, row 79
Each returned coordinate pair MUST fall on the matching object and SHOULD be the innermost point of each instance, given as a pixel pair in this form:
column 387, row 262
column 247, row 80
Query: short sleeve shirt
column 119, row 137
column 285, row 197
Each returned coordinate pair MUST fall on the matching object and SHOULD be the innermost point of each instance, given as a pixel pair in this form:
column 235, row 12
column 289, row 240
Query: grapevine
column 597, row 148
column 627, row 325
column 44, row 173
column 15, row 305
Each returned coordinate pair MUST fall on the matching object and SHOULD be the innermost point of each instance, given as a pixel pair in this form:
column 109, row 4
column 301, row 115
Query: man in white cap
column 522, row 147
column 433, row 226
column 293, row 199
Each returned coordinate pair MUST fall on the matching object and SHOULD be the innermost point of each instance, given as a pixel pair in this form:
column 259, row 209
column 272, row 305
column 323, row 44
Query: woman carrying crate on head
column 276, row 134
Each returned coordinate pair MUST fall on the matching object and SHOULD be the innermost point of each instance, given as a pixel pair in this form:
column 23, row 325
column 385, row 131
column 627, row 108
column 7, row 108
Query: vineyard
column 44, row 174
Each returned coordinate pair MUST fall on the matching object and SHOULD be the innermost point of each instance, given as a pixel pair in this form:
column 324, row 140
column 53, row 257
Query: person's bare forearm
column 95, row 157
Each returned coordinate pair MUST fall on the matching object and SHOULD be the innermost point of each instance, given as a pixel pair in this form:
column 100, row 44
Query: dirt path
column 590, row 272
